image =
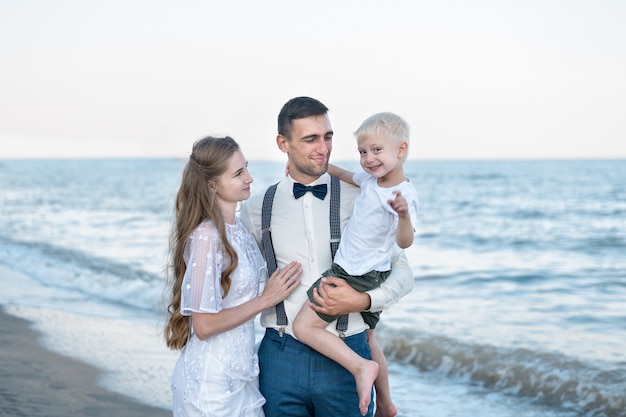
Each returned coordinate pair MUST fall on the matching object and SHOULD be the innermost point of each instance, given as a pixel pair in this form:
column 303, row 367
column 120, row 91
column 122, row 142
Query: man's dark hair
column 298, row 108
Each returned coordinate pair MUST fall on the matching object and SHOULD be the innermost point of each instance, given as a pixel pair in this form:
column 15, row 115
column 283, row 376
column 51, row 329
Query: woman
column 216, row 269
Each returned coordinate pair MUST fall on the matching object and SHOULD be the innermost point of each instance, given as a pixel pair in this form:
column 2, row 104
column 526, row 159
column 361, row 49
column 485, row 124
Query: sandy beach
column 37, row 382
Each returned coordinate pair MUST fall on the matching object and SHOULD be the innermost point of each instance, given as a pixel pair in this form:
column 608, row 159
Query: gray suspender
column 335, row 237
column 268, row 248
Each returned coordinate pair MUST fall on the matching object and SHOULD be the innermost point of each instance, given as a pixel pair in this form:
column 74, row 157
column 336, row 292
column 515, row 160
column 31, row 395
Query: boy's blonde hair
column 385, row 124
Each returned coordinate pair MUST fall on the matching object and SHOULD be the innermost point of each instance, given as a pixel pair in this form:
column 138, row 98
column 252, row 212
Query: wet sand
column 37, row 382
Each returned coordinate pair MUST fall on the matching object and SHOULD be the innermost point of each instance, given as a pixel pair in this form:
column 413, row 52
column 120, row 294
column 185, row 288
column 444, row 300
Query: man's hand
column 336, row 297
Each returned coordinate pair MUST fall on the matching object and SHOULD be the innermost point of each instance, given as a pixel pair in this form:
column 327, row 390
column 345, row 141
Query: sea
column 518, row 306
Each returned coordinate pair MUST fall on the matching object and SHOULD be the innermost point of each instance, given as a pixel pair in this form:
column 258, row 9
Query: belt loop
column 283, row 339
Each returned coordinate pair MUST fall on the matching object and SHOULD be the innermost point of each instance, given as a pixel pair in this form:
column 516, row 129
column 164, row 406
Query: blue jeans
column 299, row 382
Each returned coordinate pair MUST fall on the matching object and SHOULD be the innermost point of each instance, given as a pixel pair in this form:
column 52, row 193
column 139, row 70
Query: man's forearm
column 398, row 284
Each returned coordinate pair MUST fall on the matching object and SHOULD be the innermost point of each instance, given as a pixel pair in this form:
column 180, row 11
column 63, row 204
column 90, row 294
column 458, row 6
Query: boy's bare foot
column 364, row 382
column 386, row 411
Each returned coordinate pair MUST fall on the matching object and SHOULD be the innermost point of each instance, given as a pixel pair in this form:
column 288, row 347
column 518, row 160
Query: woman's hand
column 282, row 283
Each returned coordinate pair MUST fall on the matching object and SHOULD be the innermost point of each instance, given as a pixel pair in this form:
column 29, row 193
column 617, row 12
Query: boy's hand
column 400, row 205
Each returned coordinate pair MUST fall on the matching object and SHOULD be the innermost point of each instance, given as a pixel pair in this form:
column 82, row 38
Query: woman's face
column 234, row 184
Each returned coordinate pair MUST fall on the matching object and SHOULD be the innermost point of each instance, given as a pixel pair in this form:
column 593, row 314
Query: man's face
column 308, row 147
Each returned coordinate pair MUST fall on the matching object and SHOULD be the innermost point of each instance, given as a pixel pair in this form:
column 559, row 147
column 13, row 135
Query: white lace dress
column 218, row 376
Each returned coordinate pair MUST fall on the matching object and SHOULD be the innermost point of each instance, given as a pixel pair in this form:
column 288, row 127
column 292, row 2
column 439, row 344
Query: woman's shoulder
column 205, row 228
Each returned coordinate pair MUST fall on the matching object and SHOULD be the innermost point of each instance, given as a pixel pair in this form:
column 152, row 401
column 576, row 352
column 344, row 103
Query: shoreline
column 36, row 381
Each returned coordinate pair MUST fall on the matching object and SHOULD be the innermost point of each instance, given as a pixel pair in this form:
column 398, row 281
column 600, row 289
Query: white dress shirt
column 300, row 231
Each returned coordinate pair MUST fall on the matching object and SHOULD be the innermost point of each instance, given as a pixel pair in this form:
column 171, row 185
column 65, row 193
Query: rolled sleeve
column 399, row 283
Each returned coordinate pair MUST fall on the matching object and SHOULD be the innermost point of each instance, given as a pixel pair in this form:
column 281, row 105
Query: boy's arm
column 404, row 230
column 343, row 174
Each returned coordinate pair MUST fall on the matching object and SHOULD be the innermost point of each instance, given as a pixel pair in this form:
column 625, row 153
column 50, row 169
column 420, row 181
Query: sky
column 484, row 79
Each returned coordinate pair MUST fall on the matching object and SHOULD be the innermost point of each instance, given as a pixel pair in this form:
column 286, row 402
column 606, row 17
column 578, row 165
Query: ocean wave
column 531, row 214
column 599, row 243
column 77, row 271
column 546, row 378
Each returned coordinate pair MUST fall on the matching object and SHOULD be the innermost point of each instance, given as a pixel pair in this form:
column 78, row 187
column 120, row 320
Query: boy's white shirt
column 370, row 235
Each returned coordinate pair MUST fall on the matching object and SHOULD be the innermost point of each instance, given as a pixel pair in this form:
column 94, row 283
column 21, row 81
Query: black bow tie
column 318, row 191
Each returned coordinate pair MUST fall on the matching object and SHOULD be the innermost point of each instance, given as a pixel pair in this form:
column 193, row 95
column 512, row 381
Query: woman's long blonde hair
column 195, row 202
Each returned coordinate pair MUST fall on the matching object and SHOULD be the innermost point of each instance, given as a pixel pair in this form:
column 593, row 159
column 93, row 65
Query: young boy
column 383, row 216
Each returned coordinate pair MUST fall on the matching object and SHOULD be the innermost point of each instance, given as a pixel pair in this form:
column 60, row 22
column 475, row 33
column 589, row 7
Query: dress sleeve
column 204, row 256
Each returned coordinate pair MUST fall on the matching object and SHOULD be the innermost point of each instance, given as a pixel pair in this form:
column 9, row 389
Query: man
column 296, row 380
